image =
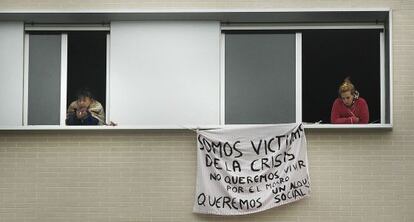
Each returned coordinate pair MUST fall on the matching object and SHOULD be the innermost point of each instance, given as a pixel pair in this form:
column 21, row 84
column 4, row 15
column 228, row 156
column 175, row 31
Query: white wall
column 11, row 73
column 164, row 73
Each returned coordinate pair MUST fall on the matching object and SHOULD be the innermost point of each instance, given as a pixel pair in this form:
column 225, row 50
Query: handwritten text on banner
column 250, row 169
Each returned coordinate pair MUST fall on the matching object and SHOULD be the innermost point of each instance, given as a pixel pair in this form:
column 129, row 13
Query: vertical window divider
column 382, row 77
column 298, row 77
column 108, row 99
column 63, row 77
column 222, row 78
column 26, row 80
column 390, row 69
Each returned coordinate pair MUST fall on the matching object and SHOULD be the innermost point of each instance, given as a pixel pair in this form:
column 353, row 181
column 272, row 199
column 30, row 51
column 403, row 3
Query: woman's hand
column 354, row 119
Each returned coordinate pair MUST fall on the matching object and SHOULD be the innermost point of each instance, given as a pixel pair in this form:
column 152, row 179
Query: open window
column 283, row 74
column 57, row 65
column 328, row 57
column 87, row 65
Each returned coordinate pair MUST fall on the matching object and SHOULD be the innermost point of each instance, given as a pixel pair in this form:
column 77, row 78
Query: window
column 174, row 70
column 87, row 64
column 279, row 75
column 329, row 56
column 58, row 65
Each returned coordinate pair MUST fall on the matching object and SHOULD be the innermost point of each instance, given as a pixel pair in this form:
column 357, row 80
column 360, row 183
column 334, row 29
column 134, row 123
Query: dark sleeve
column 335, row 117
column 364, row 112
column 71, row 119
column 90, row 120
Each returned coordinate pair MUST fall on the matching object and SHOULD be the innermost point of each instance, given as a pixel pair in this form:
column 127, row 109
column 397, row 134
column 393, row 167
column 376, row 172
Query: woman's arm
column 363, row 111
column 336, row 117
column 98, row 112
column 89, row 120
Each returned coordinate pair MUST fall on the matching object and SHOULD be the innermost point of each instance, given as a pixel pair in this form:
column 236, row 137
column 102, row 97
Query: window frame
column 287, row 16
column 62, row 31
column 297, row 27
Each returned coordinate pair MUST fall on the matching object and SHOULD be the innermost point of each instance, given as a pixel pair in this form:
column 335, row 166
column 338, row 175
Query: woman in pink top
column 349, row 108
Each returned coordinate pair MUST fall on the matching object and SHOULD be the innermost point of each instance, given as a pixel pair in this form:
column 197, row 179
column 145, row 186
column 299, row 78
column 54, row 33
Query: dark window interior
column 87, row 64
column 328, row 57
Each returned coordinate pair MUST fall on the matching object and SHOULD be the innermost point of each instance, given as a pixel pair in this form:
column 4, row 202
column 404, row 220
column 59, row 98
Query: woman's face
column 347, row 98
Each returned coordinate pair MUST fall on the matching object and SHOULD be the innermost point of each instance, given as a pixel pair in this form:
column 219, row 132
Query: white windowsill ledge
column 188, row 127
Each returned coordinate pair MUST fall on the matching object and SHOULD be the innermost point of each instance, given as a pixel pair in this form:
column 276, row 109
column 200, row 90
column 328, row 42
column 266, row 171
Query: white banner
column 250, row 169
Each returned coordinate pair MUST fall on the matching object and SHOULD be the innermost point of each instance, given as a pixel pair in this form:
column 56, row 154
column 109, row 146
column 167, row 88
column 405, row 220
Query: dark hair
column 84, row 92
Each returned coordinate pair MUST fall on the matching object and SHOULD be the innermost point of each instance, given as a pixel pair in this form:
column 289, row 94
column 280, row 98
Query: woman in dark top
column 85, row 110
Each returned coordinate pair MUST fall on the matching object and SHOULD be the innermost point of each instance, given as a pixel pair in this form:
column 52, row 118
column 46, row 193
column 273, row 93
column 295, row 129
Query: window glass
column 260, row 77
column 44, row 79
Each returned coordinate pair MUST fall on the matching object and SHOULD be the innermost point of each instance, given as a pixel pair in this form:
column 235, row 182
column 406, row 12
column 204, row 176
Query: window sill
column 189, row 127
column 348, row 126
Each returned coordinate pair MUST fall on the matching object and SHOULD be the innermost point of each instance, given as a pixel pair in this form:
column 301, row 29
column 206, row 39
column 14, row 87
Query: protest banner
column 250, row 169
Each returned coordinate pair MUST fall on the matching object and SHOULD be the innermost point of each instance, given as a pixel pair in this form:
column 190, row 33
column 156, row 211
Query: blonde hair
column 348, row 86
